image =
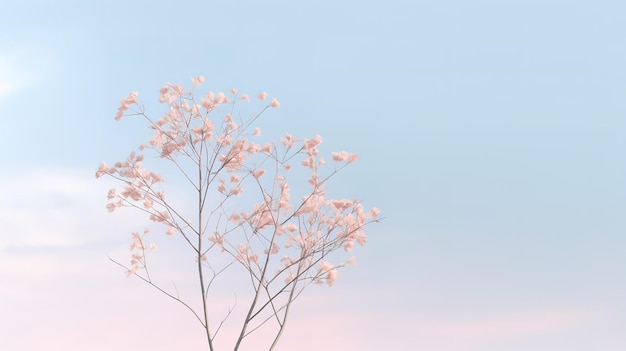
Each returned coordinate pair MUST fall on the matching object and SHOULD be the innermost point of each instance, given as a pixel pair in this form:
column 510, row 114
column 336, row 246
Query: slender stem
column 200, row 255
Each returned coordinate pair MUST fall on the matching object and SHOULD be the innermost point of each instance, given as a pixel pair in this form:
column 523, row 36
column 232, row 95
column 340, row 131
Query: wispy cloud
column 50, row 208
column 26, row 65
column 17, row 71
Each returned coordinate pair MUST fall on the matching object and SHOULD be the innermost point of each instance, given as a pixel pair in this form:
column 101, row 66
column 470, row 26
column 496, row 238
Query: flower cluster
column 284, row 241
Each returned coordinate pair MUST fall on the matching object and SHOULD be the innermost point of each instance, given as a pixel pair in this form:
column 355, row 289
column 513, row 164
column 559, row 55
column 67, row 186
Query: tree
column 283, row 245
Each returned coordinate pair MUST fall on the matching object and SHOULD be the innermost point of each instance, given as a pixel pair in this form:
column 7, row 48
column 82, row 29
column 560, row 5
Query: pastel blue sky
column 491, row 135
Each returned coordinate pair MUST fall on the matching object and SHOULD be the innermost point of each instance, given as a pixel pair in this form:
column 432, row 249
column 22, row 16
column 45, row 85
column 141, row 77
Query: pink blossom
column 262, row 96
column 274, row 103
column 237, row 190
column 287, row 140
column 374, row 212
column 331, row 277
column 208, row 102
column 131, row 192
column 218, row 239
column 221, row 98
column 197, row 81
column 170, row 231
column 258, row 173
column 137, row 243
column 339, row 156
column 101, row 170
column 156, row 178
column 245, row 97
column 111, row 194
column 352, row 157
column 257, row 131
column 159, row 216
column 233, row 91
column 361, row 239
column 331, row 272
column 131, row 99
column 274, row 250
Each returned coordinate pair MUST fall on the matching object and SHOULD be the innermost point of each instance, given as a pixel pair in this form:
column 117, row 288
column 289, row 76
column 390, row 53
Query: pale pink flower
column 274, row 250
column 111, row 207
column 159, row 216
column 284, row 196
column 208, row 102
column 170, row 231
column 325, row 266
column 236, row 191
column 221, row 98
column 257, row 131
column 156, row 178
column 233, row 91
column 287, row 139
column 287, row 261
column 131, row 99
column 137, row 243
column 234, row 178
column 288, row 278
column 111, row 194
column 101, row 170
column 197, row 81
column 274, row 103
column 309, row 162
column 262, row 96
column 349, row 245
column 245, row 97
column 352, row 157
column 258, row 173
column 218, row 239
column 361, row 239
column 131, row 192
column 253, row 258
column 331, row 277
column 339, row 156
column 374, row 212
column 147, row 204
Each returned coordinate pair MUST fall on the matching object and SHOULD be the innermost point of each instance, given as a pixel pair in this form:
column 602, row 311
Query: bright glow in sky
column 491, row 134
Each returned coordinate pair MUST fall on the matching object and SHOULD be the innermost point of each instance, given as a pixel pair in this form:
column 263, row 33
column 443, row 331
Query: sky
column 490, row 135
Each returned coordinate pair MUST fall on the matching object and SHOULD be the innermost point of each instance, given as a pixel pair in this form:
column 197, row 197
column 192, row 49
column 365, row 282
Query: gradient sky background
column 491, row 135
